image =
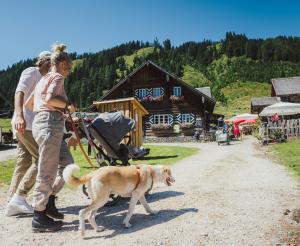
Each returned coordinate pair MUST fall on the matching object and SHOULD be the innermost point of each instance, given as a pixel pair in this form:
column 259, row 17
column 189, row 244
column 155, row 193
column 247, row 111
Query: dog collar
column 152, row 174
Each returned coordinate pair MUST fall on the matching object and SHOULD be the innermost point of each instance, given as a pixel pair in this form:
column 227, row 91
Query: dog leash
column 78, row 140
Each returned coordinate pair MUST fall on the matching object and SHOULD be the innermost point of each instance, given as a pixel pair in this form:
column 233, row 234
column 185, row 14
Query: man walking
column 25, row 172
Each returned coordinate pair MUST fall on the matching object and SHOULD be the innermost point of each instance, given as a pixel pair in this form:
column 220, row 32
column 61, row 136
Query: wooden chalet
column 169, row 100
column 288, row 89
column 259, row 103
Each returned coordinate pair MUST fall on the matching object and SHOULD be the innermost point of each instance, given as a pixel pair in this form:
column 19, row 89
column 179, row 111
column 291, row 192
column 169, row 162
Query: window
column 156, row 92
column 162, row 119
column 142, row 93
column 177, row 91
column 186, row 118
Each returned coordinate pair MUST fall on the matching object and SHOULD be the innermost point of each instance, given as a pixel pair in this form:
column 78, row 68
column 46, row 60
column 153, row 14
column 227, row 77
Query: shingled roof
column 286, row 86
column 205, row 90
column 264, row 101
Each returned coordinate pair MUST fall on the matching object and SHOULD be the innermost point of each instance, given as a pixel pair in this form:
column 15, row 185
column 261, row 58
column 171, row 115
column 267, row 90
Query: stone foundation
column 152, row 139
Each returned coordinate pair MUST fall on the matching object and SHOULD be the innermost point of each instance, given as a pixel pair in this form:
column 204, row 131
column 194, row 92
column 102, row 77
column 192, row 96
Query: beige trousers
column 25, row 172
column 54, row 156
column 24, row 175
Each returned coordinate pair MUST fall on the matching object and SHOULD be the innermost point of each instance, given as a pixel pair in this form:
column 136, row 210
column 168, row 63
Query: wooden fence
column 288, row 128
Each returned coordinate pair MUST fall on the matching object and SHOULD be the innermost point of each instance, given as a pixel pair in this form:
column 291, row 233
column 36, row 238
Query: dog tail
column 70, row 179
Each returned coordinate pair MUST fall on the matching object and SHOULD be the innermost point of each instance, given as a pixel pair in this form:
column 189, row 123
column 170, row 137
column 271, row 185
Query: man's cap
column 44, row 55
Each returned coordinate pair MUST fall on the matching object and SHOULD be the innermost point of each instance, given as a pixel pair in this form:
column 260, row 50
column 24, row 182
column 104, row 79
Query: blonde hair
column 60, row 54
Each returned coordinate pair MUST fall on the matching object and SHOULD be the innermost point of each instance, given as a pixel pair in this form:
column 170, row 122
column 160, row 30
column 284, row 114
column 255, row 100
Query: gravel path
column 224, row 195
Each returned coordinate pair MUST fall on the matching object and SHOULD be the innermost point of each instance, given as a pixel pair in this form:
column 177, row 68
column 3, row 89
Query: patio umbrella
column 248, row 122
column 281, row 108
column 238, row 121
column 244, row 117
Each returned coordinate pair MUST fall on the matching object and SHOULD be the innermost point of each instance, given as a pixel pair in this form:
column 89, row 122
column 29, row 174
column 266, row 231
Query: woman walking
column 50, row 100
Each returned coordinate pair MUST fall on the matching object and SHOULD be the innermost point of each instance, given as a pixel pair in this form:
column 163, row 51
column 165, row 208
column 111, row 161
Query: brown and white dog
column 128, row 181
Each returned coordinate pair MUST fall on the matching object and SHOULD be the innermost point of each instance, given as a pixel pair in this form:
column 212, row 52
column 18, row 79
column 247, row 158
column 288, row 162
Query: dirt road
column 224, row 195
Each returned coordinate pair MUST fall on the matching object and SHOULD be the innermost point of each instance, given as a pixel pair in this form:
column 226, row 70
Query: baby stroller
column 107, row 131
column 105, row 134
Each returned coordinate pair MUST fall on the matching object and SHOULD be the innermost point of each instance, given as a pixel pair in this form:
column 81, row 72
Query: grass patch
column 289, row 155
column 239, row 96
column 162, row 155
column 6, row 171
column 5, row 123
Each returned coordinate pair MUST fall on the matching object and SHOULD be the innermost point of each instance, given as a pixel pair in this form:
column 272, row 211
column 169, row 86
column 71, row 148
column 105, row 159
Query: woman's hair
column 60, row 54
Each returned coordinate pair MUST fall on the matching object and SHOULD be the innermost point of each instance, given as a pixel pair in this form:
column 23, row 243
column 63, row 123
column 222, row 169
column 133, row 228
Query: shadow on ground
column 111, row 217
column 156, row 157
column 7, row 147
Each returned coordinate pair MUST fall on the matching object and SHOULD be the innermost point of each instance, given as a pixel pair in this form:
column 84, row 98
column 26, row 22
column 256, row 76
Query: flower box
column 176, row 99
column 162, row 130
column 187, row 129
column 152, row 99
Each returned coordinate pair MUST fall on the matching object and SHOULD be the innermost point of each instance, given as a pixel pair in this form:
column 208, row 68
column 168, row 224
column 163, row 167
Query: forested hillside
column 234, row 60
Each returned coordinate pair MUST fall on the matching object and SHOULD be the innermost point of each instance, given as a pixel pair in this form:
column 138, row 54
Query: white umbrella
column 281, row 108
column 245, row 116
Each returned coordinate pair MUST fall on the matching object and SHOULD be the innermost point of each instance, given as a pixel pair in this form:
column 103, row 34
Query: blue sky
column 28, row 27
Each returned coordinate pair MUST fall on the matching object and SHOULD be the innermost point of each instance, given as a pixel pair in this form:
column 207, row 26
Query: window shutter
column 178, row 118
column 162, row 91
column 136, row 93
column 170, row 118
column 193, row 118
column 151, row 119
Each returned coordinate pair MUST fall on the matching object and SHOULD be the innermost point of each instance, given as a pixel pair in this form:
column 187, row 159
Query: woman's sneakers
column 18, row 205
column 42, row 223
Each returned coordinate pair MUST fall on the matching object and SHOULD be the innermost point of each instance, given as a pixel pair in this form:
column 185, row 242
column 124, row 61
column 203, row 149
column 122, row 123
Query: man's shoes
column 42, row 223
column 51, row 209
column 18, row 205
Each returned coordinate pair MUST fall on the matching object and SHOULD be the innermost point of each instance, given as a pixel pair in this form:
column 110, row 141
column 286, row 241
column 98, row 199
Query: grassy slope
column 239, row 96
column 289, row 155
column 140, row 53
column 194, row 77
column 76, row 63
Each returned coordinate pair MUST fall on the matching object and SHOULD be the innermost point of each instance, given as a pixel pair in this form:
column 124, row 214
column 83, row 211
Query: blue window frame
column 142, row 93
column 177, row 91
column 162, row 119
column 156, row 92
column 186, row 118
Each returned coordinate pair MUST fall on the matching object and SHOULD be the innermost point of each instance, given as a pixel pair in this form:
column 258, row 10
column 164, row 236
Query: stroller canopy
column 113, row 127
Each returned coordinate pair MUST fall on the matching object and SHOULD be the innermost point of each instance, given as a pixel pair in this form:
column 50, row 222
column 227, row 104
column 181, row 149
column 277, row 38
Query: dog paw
column 154, row 212
column 100, row 228
column 127, row 225
column 82, row 232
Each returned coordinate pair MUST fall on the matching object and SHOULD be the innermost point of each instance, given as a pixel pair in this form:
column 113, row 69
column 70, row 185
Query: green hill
column 232, row 67
column 238, row 96
column 194, row 77
column 143, row 52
